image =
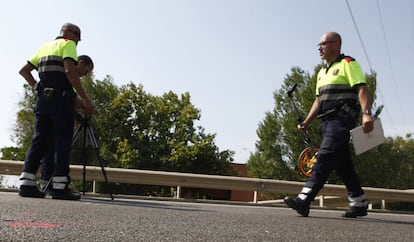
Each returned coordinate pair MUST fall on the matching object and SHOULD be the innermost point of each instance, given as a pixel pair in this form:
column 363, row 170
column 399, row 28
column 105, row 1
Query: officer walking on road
column 54, row 110
column 341, row 93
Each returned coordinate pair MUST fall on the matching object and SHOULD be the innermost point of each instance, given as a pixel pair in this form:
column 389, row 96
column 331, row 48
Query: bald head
column 334, row 36
column 330, row 46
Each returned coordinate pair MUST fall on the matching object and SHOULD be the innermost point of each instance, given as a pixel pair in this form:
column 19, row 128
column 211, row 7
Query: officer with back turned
column 57, row 91
column 84, row 67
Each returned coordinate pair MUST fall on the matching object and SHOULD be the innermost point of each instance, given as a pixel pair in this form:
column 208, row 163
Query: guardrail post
column 383, row 204
column 321, row 201
column 255, row 197
column 93, row 186
column 178, row 192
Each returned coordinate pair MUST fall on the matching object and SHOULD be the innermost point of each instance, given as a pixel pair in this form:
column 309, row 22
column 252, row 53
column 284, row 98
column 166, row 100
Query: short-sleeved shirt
column 48, row 61
column 336, row 84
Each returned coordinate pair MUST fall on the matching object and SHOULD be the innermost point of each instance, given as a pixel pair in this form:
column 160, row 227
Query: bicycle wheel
column 307, row 159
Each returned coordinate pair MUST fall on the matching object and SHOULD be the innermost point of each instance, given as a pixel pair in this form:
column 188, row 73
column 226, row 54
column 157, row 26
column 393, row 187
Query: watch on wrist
column 368, row 111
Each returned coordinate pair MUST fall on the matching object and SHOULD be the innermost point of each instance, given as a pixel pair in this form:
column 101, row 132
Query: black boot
column 28, row 186
column 358, row 207
column 297, row 205
column 30, row 191
column 61, row 190
column 356, row 212
column 65, row 194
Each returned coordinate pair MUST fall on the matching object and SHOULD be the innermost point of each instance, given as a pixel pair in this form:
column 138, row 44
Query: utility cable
column 391, row 66
column 368, row 60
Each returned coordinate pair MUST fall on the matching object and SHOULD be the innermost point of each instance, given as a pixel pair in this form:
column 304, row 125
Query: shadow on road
column 148, row 204
column 368, row 219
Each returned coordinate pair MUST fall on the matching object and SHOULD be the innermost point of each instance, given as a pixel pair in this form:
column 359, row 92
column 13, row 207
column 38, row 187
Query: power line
column 391, row 66
column 368, row 60
column 359, row 35
column 412, row 18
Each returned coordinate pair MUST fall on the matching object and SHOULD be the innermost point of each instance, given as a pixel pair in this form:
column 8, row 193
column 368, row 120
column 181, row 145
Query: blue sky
column 230, row 55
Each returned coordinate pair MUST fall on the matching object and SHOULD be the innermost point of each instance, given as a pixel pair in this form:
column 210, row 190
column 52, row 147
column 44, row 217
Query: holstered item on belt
column 51, row 92
column 342, row 110
column 346, row 110
column 51, row 95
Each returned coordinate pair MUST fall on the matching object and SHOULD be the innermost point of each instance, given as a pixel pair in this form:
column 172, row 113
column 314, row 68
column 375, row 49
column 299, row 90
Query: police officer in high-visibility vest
column 55, row 62
column 341, row 94
column 84, row 67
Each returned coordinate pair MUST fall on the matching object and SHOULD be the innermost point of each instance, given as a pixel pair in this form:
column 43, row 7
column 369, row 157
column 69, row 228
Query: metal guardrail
column 147, row 177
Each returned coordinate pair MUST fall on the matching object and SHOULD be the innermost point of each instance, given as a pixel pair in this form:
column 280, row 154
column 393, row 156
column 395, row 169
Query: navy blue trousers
column 334, row 154
column 54, row 124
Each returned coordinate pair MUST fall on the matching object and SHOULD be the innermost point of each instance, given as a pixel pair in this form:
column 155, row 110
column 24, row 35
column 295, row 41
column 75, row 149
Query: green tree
column 279, row 141
column 138, row 130
column 23, row 129
column 159, row 133
column 389, row 165
column 102, row 93
column 12, row 153
column 135, row 129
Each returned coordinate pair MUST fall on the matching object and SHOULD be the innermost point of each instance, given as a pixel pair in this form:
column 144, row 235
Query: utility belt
column 51, row 99
column 342, row 110
column 52, row 92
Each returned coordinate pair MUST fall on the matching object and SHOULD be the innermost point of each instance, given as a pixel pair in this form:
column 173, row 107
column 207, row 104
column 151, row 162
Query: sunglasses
column 325, row 43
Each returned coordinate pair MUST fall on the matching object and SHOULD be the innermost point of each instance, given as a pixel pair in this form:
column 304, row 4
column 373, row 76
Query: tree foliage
column 135, row 129
column 390, row 165
column 23, row 129
column 150, row 132
column 279, row 141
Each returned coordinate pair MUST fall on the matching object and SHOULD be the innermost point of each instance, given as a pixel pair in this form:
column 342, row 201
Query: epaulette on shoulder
column 348, row 59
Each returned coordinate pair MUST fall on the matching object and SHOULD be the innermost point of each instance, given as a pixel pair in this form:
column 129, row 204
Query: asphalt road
column 100, row 219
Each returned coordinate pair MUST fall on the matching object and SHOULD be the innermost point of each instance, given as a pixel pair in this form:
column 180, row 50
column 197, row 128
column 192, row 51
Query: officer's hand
column 303, row 127
column 367, row 123
column 88, row 106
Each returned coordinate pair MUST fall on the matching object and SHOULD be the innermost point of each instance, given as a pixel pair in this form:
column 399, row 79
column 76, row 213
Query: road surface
column 100, row 219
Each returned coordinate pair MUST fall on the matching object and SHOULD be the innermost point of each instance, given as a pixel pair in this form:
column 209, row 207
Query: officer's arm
column 26, row 73
column 365, row 102
column 73, row 77
column 313, row 112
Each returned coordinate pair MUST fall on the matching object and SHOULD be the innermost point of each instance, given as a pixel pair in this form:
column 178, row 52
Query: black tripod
column 87, row 132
